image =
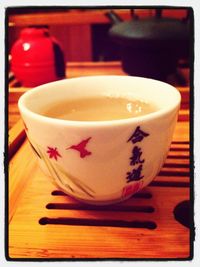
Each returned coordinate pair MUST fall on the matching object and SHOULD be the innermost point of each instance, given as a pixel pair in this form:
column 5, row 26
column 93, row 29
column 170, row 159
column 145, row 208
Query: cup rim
column 44, row 119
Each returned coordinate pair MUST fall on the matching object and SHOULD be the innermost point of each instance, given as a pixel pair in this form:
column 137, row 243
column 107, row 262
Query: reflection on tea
column 101, row 108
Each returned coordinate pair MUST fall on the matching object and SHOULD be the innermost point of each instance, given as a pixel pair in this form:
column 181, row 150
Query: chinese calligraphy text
column 136, row 159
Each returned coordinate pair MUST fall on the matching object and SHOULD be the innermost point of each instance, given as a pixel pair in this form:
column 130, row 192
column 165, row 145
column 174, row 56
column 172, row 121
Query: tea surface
column 98, row 109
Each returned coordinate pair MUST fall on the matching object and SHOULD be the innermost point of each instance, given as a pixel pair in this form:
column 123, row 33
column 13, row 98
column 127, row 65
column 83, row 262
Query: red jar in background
column 37, row 57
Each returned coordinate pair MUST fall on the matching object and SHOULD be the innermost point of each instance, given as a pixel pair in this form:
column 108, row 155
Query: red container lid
column 34, row 47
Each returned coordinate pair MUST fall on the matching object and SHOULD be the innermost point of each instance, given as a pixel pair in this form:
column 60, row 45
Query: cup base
column 101, row 202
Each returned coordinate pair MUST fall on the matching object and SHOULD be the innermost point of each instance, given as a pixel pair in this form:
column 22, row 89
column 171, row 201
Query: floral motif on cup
column 66, row 181
column 80, row 147
column 53, row 153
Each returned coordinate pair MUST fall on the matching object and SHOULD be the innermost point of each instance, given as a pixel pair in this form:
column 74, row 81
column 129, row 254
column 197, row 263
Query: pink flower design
column 53, row 153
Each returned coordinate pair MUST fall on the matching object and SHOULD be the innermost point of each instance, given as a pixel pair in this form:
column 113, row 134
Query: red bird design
column 81, row 148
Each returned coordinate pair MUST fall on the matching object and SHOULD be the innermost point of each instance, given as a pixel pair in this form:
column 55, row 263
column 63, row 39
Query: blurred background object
column 36, row 57
column 85, row 36
column 151, row 47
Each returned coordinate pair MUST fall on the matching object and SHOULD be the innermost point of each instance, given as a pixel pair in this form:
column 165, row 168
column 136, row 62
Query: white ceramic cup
column 111, row 160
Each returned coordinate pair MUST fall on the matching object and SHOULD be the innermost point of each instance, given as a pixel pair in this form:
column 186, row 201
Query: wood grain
column 16, row 137
column 94, row 16
column 71, row 17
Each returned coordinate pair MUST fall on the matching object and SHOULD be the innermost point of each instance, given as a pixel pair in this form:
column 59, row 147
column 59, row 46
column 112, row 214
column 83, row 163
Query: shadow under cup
column 101, row 162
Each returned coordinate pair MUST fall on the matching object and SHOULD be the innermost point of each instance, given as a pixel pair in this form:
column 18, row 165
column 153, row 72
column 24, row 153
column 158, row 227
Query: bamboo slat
column 16, row 137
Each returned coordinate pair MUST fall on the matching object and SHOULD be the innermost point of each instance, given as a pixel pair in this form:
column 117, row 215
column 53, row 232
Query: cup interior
column 164, row 96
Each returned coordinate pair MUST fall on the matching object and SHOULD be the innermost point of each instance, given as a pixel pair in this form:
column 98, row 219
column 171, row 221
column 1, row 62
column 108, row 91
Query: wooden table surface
column 45, row 223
